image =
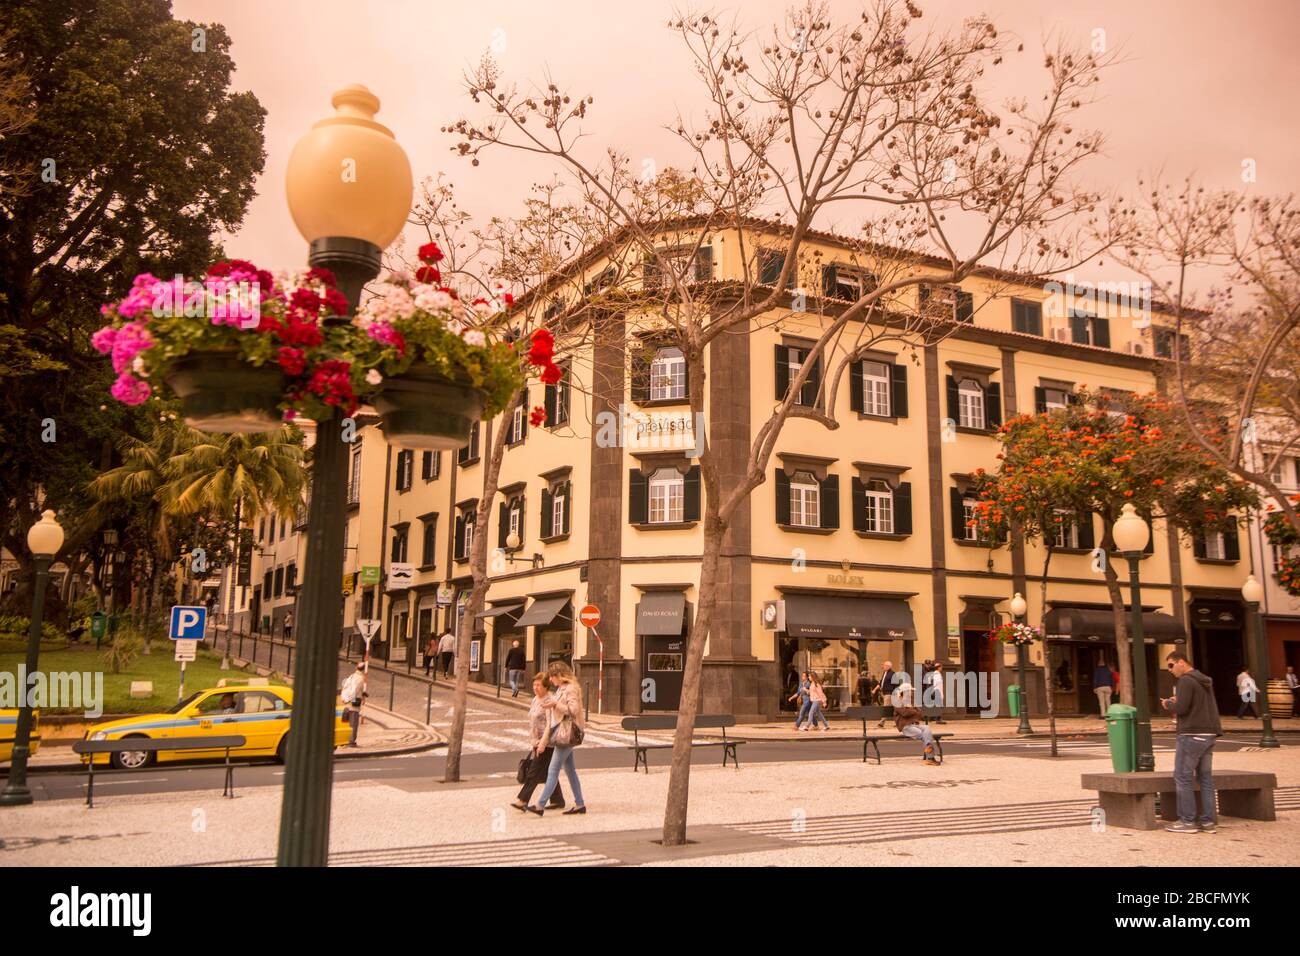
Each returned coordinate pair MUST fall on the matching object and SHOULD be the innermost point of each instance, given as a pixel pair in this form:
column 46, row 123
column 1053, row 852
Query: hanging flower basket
column 1016, row 634
column 421, row 408
column 220, row 392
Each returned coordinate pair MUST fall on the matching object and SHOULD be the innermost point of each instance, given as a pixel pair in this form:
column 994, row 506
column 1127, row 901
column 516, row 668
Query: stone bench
column 1129, row 799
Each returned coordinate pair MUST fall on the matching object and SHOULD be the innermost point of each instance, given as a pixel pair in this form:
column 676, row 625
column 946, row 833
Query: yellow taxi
column 260, row 713
column 9, row 728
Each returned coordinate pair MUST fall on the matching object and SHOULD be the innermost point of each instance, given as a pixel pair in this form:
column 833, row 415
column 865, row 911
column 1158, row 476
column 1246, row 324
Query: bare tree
column 874, row 120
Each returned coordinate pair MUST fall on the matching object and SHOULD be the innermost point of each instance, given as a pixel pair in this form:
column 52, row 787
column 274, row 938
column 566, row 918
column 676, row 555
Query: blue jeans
column 515, row 677
column 805, row 705
column 815, row 714
column 563, row 757
column 1193, row 761
column 919, row 732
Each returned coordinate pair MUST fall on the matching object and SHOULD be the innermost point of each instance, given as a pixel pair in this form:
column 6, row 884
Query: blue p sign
column 188, row 623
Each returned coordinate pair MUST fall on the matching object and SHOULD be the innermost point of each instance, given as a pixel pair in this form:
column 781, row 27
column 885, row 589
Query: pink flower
column 385, row 333
column 130, row 341
column 129, row 390
column 103, row 339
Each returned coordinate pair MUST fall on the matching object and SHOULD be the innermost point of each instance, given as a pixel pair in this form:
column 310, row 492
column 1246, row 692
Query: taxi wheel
column 281, row 749
column 133, row 759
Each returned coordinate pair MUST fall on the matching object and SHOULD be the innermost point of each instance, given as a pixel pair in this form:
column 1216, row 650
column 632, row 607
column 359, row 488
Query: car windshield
column 185, row 703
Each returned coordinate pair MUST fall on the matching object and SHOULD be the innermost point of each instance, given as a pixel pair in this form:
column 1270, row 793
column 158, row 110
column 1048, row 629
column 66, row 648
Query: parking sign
column 188, row 623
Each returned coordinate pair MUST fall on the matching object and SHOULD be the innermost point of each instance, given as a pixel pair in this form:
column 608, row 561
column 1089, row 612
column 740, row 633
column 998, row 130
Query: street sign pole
column 180, row 694
column 589, row 617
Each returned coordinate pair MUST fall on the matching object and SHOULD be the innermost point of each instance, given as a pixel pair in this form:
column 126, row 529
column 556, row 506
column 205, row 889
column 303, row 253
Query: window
column 946, row 302
column 272, row 536
column 510, row 520
column 970, row 404
column 1050, row 398
column 429, row 542
column 261, row 530
column 1218, row 544
column 848, row 283
column 290, row 578
column 970, row 530
column 770, row 262
column 354, row 480
column 1027, row 317
column 464, row 540
column 1214, row 549
column 875, row 389
column 666, row 496
column 559, row 517
column 1088, row 329
column 431, row 465
column 1170, row 344
column 790, row 360
column 879, row 506
column 284, row 526
column 397, row 554
column 687, row 264
column 469, row 454
column 1065, row 533
column 555, row 508
column 279, row 582
column 556, row 400
column 470, row 526
column 668, row 375
column 402, row 473
column 805, row 501
column 517, row 425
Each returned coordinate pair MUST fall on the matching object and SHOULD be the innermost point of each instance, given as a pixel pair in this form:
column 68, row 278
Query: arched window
column 667, row 490
column 875, row 388
column 805, row 501
column 970, row 404
column 880, row 507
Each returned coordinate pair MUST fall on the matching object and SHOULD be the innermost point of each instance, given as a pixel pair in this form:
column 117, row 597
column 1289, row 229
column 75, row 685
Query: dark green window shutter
column 1101, row 333
column 459, row 550
column 903, row 508
column 770, row 263
column 898, row 381
column 1198, row 545
column 641, row 375
column 548, row 402
column 828, row 281
column 830, row 501
column 548, row 514
column 1086, row 539
column 858, row 501
column 855, row 387
column 503, row 524
column 1027, row 317
column 965, row 307
column 638, row 497
column 523, row 422
column 1079, row 328
column 567, row 490
column 691, row 494
column 782, row 497
column 782, row 371
column 954, row 406
column 426, row 466
column 1231, row 543
column 813, row 384
column 992, row 406
column 958, row 514
column 704, row 264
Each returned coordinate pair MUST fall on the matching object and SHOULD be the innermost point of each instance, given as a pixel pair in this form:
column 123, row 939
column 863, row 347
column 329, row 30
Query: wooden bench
column 1129, row 800
column 667, row 722
column 871, row 742
column 132, row 744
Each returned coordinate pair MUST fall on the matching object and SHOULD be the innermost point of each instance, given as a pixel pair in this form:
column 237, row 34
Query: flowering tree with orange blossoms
column 1091, row 458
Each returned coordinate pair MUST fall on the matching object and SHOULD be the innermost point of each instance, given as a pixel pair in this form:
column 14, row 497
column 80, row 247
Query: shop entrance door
column 978, row 656
column 1220, row 653
column 664, row 660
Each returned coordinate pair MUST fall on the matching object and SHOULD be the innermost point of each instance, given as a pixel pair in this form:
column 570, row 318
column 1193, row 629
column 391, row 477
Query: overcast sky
column 1204, row 84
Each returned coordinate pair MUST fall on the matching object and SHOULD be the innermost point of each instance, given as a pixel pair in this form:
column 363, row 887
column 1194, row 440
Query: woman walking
column 805, row 702
column 816, row 702
column 565, row 732
column 539, row 754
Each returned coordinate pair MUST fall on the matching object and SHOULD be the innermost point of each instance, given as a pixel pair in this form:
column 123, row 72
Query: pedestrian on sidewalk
column 540, row 753
column 288, row 626
column 515, row 667
column 909, row 723
column 816, row 703
column 431, row 655
column 889, row 682
column 935, row 699
column 353, row 692
column 1293, row 683
column 805, row 698
column 566, row 731
column 1198, row 726
column 866, row 687
column 1103, row 685
column 446, row 651
column 1248, row 691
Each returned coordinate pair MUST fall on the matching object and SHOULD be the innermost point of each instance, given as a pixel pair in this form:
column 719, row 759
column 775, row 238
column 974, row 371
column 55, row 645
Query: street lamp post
column 44, row 541
column 1018, row 610
column 1131, row 535
column 1253, row 592
column 349, row 190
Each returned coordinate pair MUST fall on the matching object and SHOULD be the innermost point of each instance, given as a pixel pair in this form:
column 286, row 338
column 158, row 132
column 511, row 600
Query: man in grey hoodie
column 1197, row 715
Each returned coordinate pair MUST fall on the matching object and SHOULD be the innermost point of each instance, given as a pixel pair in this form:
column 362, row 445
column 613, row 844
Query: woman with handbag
column 532, row 769
column 565, row 733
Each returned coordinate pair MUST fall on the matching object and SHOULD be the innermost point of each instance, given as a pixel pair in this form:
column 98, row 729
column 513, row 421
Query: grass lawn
column 157, row 667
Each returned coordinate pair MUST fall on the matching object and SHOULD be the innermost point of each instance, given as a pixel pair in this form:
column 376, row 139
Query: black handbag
column 522, row 775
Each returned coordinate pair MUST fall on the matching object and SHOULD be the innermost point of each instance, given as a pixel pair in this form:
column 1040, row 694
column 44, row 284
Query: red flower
column 305, row 300
column 291, row 360
column 324, row 276
column 537, row 416
column 552, row 374
column 428, row 274
column 336, row 302
column 301, row 333
column 429, row 253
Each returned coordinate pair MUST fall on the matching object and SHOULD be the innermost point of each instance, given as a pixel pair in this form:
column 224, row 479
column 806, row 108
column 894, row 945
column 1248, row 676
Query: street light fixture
column 1019, row 608
column 512, row 544
column 348, row 186
column 1253, row 592
column 44, row 540
column 1131, row 535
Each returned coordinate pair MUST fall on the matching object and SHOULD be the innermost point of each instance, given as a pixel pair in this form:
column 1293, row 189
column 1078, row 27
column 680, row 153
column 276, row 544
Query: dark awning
column 848, row 618
column 1094, row 624
column 543, row 611
column 501, row 609
column 661, row 613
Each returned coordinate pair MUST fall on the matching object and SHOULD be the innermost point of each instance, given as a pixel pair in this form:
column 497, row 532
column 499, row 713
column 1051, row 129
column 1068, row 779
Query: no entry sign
column 589, row 615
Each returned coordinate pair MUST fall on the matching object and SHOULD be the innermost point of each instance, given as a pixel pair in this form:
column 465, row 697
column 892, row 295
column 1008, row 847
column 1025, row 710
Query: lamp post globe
column 1130, row 531
column 348, row 185
column 44, row 539
column 1253, row 594
column 512, row 541
column 1131, row 535
column 1018, row 606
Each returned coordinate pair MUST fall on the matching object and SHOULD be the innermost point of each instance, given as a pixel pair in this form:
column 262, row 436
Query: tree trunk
column 1122, row 643
column 230, row 598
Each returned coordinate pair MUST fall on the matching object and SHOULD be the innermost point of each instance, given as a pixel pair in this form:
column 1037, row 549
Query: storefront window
column 838, row 664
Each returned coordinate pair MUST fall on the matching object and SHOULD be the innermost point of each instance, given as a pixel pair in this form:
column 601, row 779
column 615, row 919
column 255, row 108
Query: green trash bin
column 1121, row 730
column 1013, row 700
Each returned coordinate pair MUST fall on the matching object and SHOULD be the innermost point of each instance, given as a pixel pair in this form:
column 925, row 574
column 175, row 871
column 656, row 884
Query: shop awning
column 543, row 611
column 500, row 609
column 1094, row 624
column 848, row 618
column 661, row 613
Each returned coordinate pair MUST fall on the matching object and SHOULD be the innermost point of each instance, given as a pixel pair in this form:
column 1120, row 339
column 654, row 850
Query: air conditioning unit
column 1061, row 334
column 1135, row 348
column 773, row 615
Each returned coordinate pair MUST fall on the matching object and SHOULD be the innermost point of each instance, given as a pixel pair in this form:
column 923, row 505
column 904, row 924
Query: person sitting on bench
column 909, row 723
